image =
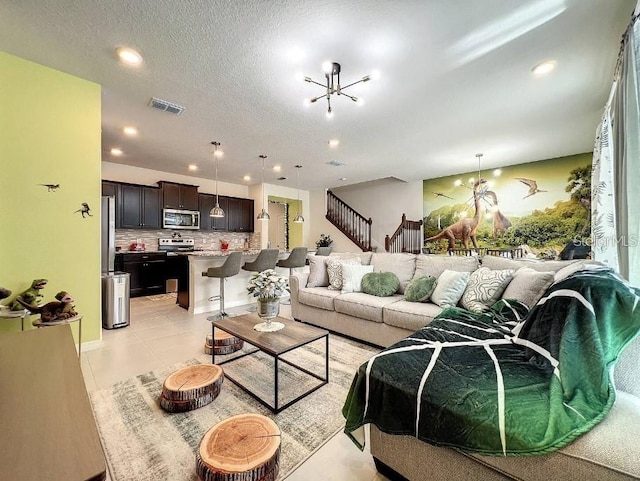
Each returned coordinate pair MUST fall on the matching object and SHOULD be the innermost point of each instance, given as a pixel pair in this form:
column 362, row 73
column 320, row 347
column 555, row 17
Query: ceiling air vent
column 160, row 104
column 336, row 163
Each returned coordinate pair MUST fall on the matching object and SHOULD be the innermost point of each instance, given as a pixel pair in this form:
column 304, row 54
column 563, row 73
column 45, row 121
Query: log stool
column 244, row 447
column 191, row 387
column 224, row 343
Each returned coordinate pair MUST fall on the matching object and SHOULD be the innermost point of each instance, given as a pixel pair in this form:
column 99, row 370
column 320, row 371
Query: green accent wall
column 50, row 134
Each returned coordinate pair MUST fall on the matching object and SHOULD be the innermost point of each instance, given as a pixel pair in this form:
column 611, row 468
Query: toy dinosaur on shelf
column 58, row 310
column 30, row 296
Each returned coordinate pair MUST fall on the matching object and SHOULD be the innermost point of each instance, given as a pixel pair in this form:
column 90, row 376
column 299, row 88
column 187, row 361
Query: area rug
column 143, row 442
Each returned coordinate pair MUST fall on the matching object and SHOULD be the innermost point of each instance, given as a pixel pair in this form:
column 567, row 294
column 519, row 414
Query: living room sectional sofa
column 610, row 451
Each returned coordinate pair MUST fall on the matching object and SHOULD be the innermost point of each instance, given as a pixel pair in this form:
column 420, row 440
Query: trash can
column 115, row 300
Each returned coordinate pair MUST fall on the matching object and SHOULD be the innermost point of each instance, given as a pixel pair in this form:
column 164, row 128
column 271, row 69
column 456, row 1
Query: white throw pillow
column 334, row 269
column 318, row 276
column 528, row 285
column 352, row 275
column 450, row 287
column 485, row 287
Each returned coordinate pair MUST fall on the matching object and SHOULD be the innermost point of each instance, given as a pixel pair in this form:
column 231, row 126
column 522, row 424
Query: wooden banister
column 406, row 238
column 348, row 221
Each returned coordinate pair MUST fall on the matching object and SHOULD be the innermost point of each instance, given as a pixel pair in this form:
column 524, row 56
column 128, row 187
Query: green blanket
column 506, row 382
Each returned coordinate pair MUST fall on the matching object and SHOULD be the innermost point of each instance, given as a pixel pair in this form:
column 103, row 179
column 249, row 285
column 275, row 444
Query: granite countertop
column 219, row 253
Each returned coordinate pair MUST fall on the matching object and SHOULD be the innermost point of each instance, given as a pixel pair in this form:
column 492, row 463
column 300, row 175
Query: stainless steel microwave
column 180, row 219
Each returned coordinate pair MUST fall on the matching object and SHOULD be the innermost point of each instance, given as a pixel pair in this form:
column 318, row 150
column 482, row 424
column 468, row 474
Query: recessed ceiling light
column 130, row 131
column 129, row 56
column 276, row 168
column 333, row 143
column 544, row 68
column 193, row 167
column 116, row 151
column 246, row 178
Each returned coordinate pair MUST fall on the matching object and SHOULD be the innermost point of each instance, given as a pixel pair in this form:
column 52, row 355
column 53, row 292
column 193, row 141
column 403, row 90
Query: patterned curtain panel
column 616, row 166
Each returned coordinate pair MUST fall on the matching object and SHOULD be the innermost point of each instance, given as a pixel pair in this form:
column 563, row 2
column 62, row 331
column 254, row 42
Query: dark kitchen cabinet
column 240, row 215
column 179, row 196
column 206, row 203
column 147, row 271
column 139, row 207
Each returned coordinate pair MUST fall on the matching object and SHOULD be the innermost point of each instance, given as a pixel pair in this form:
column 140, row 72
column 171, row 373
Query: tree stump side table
column 191, row 387
column 246, row 446
column 224, row 343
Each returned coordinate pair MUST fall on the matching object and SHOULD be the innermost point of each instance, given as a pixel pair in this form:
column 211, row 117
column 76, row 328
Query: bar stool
column 231, row 267
column 297, row 258
column 324, row 251
column 266, row 260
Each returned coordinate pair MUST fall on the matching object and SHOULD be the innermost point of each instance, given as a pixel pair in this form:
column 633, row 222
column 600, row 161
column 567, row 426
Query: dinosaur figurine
column 58, row 310
column 464, row 229
column 30, row 296
column 85, row 210
column 51, row 187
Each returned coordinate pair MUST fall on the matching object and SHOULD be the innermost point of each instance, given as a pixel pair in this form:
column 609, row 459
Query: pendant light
column 263, row 215
column 298, row 219
column 217, row 210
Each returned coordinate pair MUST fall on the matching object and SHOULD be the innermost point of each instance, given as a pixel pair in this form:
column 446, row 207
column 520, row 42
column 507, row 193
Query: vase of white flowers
column 268, row 287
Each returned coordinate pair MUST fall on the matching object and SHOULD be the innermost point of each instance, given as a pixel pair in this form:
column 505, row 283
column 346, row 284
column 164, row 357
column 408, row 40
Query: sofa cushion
column 484, row 288
column 608, row 452
column 365, row 257
column 449, row 288
column 528, row 285
column 402, row 265
column 352, row 275
column 433, row 265
column 420, row 289
column 334, row 270
column 318, row 276
column 410, row 315
column 364, row 306
column 381, row 284
column 319, row 297
column 497, row 262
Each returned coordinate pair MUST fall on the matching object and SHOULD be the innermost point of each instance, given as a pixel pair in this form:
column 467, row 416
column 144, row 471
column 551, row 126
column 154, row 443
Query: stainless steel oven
column 180, row 219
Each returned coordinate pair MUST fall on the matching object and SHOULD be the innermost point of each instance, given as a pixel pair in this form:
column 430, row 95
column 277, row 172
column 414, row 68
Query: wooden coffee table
column 274, row 344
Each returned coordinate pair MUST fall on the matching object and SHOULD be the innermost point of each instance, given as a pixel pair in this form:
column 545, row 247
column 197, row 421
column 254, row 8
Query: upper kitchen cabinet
column 179, row 196
column 206, row 202
column 140, row 207
column 110, row 188
column 240, row 215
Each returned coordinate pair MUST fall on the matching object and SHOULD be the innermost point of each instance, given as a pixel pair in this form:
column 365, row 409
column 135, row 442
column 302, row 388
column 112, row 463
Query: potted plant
column 268, row 287
column 324, row 241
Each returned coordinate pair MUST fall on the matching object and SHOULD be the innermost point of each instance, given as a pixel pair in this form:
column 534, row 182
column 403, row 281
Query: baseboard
column 390, row 473
column 91, row 345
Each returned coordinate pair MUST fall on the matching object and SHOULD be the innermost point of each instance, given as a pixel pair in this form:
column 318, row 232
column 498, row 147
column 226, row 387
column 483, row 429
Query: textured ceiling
column 455, row 80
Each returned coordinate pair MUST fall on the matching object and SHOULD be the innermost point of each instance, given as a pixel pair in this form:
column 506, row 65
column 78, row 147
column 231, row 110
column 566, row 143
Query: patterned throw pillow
column 334, row 269
column 485, row 287
column 420, row 289
column 449, row 288
column 381, row 284
column 352, row 275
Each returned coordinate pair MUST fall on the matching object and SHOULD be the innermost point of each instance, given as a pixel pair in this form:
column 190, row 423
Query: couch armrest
column 296, row 282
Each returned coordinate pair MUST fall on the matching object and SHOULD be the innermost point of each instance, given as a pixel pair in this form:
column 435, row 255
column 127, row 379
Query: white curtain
column 616, row 166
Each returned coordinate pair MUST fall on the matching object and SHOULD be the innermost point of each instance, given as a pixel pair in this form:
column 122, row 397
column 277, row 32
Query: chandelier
column 216, row 211
column 333, row 87
column 263, row 215
column 298, row 219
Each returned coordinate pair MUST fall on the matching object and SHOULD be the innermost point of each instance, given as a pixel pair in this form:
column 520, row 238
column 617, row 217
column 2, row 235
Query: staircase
column 406, row 238
column 349, row 222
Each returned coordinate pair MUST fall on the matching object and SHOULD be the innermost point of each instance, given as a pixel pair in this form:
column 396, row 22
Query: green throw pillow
column 420, row 289
column 381, row 284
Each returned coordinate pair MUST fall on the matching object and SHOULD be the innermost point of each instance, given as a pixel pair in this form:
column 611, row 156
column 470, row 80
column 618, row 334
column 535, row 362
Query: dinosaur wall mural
column 540, row 204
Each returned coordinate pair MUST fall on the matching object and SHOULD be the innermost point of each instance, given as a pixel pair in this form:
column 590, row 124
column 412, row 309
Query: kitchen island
column 195, row 295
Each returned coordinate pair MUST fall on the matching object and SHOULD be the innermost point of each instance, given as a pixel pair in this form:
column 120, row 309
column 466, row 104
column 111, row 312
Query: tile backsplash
column 204, row 240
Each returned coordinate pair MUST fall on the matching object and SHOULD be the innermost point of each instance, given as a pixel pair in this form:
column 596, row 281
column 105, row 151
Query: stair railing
column 348, row 221
column 406, row 238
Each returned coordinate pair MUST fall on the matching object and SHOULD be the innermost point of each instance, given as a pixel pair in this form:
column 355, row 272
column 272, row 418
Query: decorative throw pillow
column 318, row 276
column 449, row 288
column 485, row 287
column 352, row 275
column 420, row 289
column 334, row 270
column 528, row 285
column 381, row 284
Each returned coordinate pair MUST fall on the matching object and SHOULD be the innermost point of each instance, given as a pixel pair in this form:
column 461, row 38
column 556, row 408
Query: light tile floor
column 161, row 333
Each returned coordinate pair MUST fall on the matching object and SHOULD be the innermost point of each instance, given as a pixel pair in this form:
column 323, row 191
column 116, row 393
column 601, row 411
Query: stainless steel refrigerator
column 115, row 285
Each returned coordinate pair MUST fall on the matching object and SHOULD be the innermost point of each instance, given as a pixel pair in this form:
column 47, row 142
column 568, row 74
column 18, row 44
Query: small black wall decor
column 84, row 210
